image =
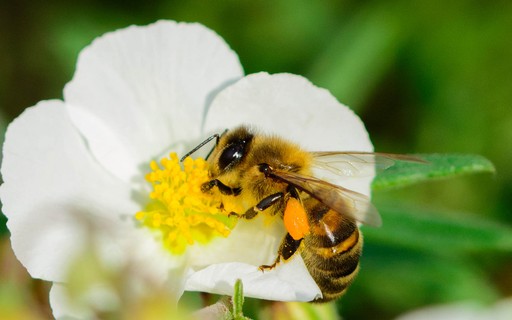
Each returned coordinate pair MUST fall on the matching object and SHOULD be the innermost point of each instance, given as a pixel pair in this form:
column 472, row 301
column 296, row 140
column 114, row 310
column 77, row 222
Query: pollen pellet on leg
column 295, row 219
column 179, row 209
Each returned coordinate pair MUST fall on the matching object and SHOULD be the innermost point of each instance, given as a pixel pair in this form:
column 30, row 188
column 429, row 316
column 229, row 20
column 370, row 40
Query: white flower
column 137, row 94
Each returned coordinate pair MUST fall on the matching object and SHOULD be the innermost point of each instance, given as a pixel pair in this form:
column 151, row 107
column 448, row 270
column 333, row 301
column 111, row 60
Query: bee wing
column 359, row 164
column 342, row 200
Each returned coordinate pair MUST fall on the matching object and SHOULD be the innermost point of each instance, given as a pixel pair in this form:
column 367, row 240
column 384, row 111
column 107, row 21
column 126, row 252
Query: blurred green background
column 425, row 76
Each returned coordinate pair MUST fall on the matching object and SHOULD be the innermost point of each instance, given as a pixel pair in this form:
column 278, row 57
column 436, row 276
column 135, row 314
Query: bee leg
column 207, row 186
column 286, row 250
column 260, row 206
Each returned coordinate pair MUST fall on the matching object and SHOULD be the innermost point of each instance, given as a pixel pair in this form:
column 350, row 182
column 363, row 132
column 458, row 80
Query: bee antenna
column 199, row 146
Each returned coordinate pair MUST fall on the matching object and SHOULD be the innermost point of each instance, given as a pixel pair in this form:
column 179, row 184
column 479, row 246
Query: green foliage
column 359, row 54
column 439, row 166
column 3, row 225
column 448, row 233
column 238, row 301
column 394, row 279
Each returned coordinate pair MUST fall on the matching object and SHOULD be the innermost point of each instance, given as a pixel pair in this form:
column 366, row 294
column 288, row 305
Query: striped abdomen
column 331, row 250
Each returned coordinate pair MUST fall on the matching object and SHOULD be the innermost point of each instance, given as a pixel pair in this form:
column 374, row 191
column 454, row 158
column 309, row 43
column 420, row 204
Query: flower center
column 179, row 210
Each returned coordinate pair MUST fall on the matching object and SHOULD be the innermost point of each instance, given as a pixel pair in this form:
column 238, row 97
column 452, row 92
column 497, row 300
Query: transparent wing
column 359, row 164
column 342, row 200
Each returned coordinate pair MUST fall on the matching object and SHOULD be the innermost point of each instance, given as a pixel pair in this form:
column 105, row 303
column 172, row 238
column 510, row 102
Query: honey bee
column 275, row 176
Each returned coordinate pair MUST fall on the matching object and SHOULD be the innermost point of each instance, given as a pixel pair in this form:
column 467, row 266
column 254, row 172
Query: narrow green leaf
column 438, row 166
column 437, row 232
column 238, row 300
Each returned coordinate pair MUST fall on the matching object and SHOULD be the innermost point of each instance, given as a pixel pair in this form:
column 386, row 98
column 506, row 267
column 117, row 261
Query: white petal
column 289, row 281
column 251, row 244
column 290, row 106
column 263, row 239
column 53, row 189
column 139, row 90
column 62, row 308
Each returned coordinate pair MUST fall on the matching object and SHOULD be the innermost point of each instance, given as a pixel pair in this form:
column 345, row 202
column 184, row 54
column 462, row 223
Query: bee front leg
column 224, row 189
column 260, row 206
column 286, row 250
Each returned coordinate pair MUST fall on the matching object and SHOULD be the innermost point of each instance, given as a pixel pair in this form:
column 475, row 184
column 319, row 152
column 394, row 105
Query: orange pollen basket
column 296, row 219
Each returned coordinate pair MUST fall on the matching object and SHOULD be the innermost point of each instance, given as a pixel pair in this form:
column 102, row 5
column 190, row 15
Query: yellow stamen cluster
column 179, row 209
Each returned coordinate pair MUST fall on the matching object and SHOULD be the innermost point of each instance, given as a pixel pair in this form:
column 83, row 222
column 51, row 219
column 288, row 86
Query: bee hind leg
column 286, row 250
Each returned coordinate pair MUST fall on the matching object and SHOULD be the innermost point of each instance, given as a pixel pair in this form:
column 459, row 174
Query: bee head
column 232, row 148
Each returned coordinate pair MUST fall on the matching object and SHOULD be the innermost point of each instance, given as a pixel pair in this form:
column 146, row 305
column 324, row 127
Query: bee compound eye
column 231, row 155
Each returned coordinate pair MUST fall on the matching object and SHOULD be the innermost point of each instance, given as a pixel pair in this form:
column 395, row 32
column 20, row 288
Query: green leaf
column 439, row 166
column 441, row 233
column 238, row 299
